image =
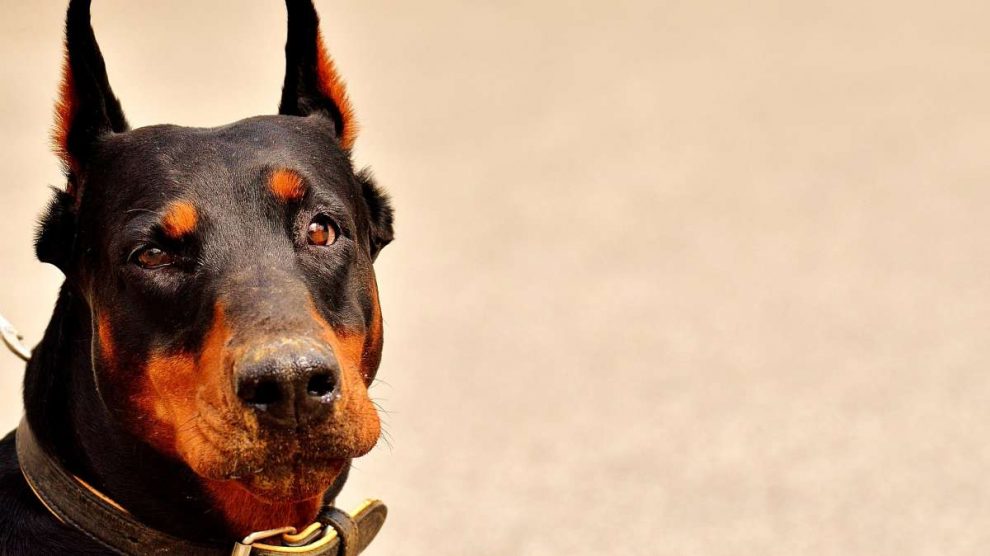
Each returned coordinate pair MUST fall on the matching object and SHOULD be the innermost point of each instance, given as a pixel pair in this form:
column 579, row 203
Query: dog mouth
column 282, row 465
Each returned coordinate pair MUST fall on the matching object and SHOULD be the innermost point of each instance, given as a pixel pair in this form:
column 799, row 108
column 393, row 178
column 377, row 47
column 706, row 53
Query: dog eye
column 321, row 231
column 152, row 257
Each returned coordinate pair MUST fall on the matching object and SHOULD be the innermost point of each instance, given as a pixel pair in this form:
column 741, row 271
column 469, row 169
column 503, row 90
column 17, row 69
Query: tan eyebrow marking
column 286, row 185
column 180, row 219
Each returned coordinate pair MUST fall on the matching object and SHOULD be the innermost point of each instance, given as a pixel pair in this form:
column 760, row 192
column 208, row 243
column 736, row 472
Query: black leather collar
column 75, row 503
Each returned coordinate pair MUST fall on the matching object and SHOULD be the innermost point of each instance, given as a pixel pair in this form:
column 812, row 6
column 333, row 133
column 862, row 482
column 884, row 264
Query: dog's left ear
column 312, row 84
column 313, row 87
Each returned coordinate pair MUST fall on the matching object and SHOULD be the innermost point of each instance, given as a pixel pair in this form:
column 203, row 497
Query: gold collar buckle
column 311, row 538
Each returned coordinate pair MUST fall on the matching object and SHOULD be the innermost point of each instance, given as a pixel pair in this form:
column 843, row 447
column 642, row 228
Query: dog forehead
column 162, row 160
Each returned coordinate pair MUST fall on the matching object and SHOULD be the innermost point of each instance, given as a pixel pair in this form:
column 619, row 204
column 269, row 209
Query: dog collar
column 73, row 502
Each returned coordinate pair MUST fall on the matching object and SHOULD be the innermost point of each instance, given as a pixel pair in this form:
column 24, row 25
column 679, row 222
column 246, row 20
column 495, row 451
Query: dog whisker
column 378, row 381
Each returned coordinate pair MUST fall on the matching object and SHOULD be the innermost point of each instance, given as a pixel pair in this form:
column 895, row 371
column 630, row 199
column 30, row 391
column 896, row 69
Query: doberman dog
column 207, row 364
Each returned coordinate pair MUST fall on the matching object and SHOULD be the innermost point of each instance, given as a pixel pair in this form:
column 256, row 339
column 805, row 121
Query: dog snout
column 288, row 383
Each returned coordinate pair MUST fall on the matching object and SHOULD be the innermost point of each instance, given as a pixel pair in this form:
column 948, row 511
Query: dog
column 206, row 368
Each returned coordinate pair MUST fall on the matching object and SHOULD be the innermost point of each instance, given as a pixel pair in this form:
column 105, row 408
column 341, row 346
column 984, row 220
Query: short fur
column 144, row 371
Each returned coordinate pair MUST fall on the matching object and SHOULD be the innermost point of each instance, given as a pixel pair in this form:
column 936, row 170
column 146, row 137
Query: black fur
column 301, row 95
column 379, row 212
column 120, row 181
column 55, row 237
column 26, row 527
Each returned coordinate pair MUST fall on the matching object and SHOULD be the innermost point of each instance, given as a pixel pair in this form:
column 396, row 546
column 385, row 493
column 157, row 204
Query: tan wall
column 670, row 278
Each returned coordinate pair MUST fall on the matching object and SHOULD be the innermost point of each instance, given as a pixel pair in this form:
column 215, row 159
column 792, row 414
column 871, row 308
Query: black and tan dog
column 208, row 361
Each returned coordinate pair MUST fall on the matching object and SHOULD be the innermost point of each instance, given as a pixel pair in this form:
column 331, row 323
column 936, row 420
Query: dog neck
column 72, row 422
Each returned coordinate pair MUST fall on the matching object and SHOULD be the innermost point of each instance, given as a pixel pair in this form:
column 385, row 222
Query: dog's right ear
column 87, row 108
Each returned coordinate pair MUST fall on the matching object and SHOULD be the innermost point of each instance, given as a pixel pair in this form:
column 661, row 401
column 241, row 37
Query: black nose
column 289, row 384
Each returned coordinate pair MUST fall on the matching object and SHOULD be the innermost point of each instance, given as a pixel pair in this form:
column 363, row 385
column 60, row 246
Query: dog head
column 228, row 271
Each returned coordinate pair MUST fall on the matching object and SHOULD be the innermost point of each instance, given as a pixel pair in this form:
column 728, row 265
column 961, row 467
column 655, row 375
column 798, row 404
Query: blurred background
column 670, row 277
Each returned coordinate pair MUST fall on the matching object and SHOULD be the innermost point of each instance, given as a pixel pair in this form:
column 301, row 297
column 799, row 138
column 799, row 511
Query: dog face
column 236, row 324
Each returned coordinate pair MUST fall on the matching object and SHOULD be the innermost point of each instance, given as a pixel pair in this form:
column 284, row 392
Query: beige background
column 670, row 278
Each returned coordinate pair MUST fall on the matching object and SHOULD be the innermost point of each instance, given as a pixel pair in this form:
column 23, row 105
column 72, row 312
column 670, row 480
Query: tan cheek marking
column 363, row 352
column 333, row 86
column 180, row 219
column 356, row 414
column 105, row 335
column 171, row 396
column 162, row 409
column 372, row 355
column 348, row 348
column 286, row 185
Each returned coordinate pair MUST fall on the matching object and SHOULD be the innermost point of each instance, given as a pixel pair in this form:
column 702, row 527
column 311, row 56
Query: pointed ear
column 87, row 108
column 312, row 85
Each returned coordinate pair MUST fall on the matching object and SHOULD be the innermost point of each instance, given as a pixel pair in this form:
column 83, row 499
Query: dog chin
column 282, row 477
column 294, row 482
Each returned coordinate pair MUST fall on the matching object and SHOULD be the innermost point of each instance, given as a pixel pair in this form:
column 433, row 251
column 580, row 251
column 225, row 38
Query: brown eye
column 153, row 257
column 321, row 231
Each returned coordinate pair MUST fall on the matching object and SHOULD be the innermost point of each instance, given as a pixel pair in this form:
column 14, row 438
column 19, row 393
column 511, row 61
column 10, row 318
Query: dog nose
column 287, row 385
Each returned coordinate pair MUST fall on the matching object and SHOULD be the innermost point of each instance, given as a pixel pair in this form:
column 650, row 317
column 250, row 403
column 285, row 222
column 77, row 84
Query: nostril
column 321, row 384
column 260, row 393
